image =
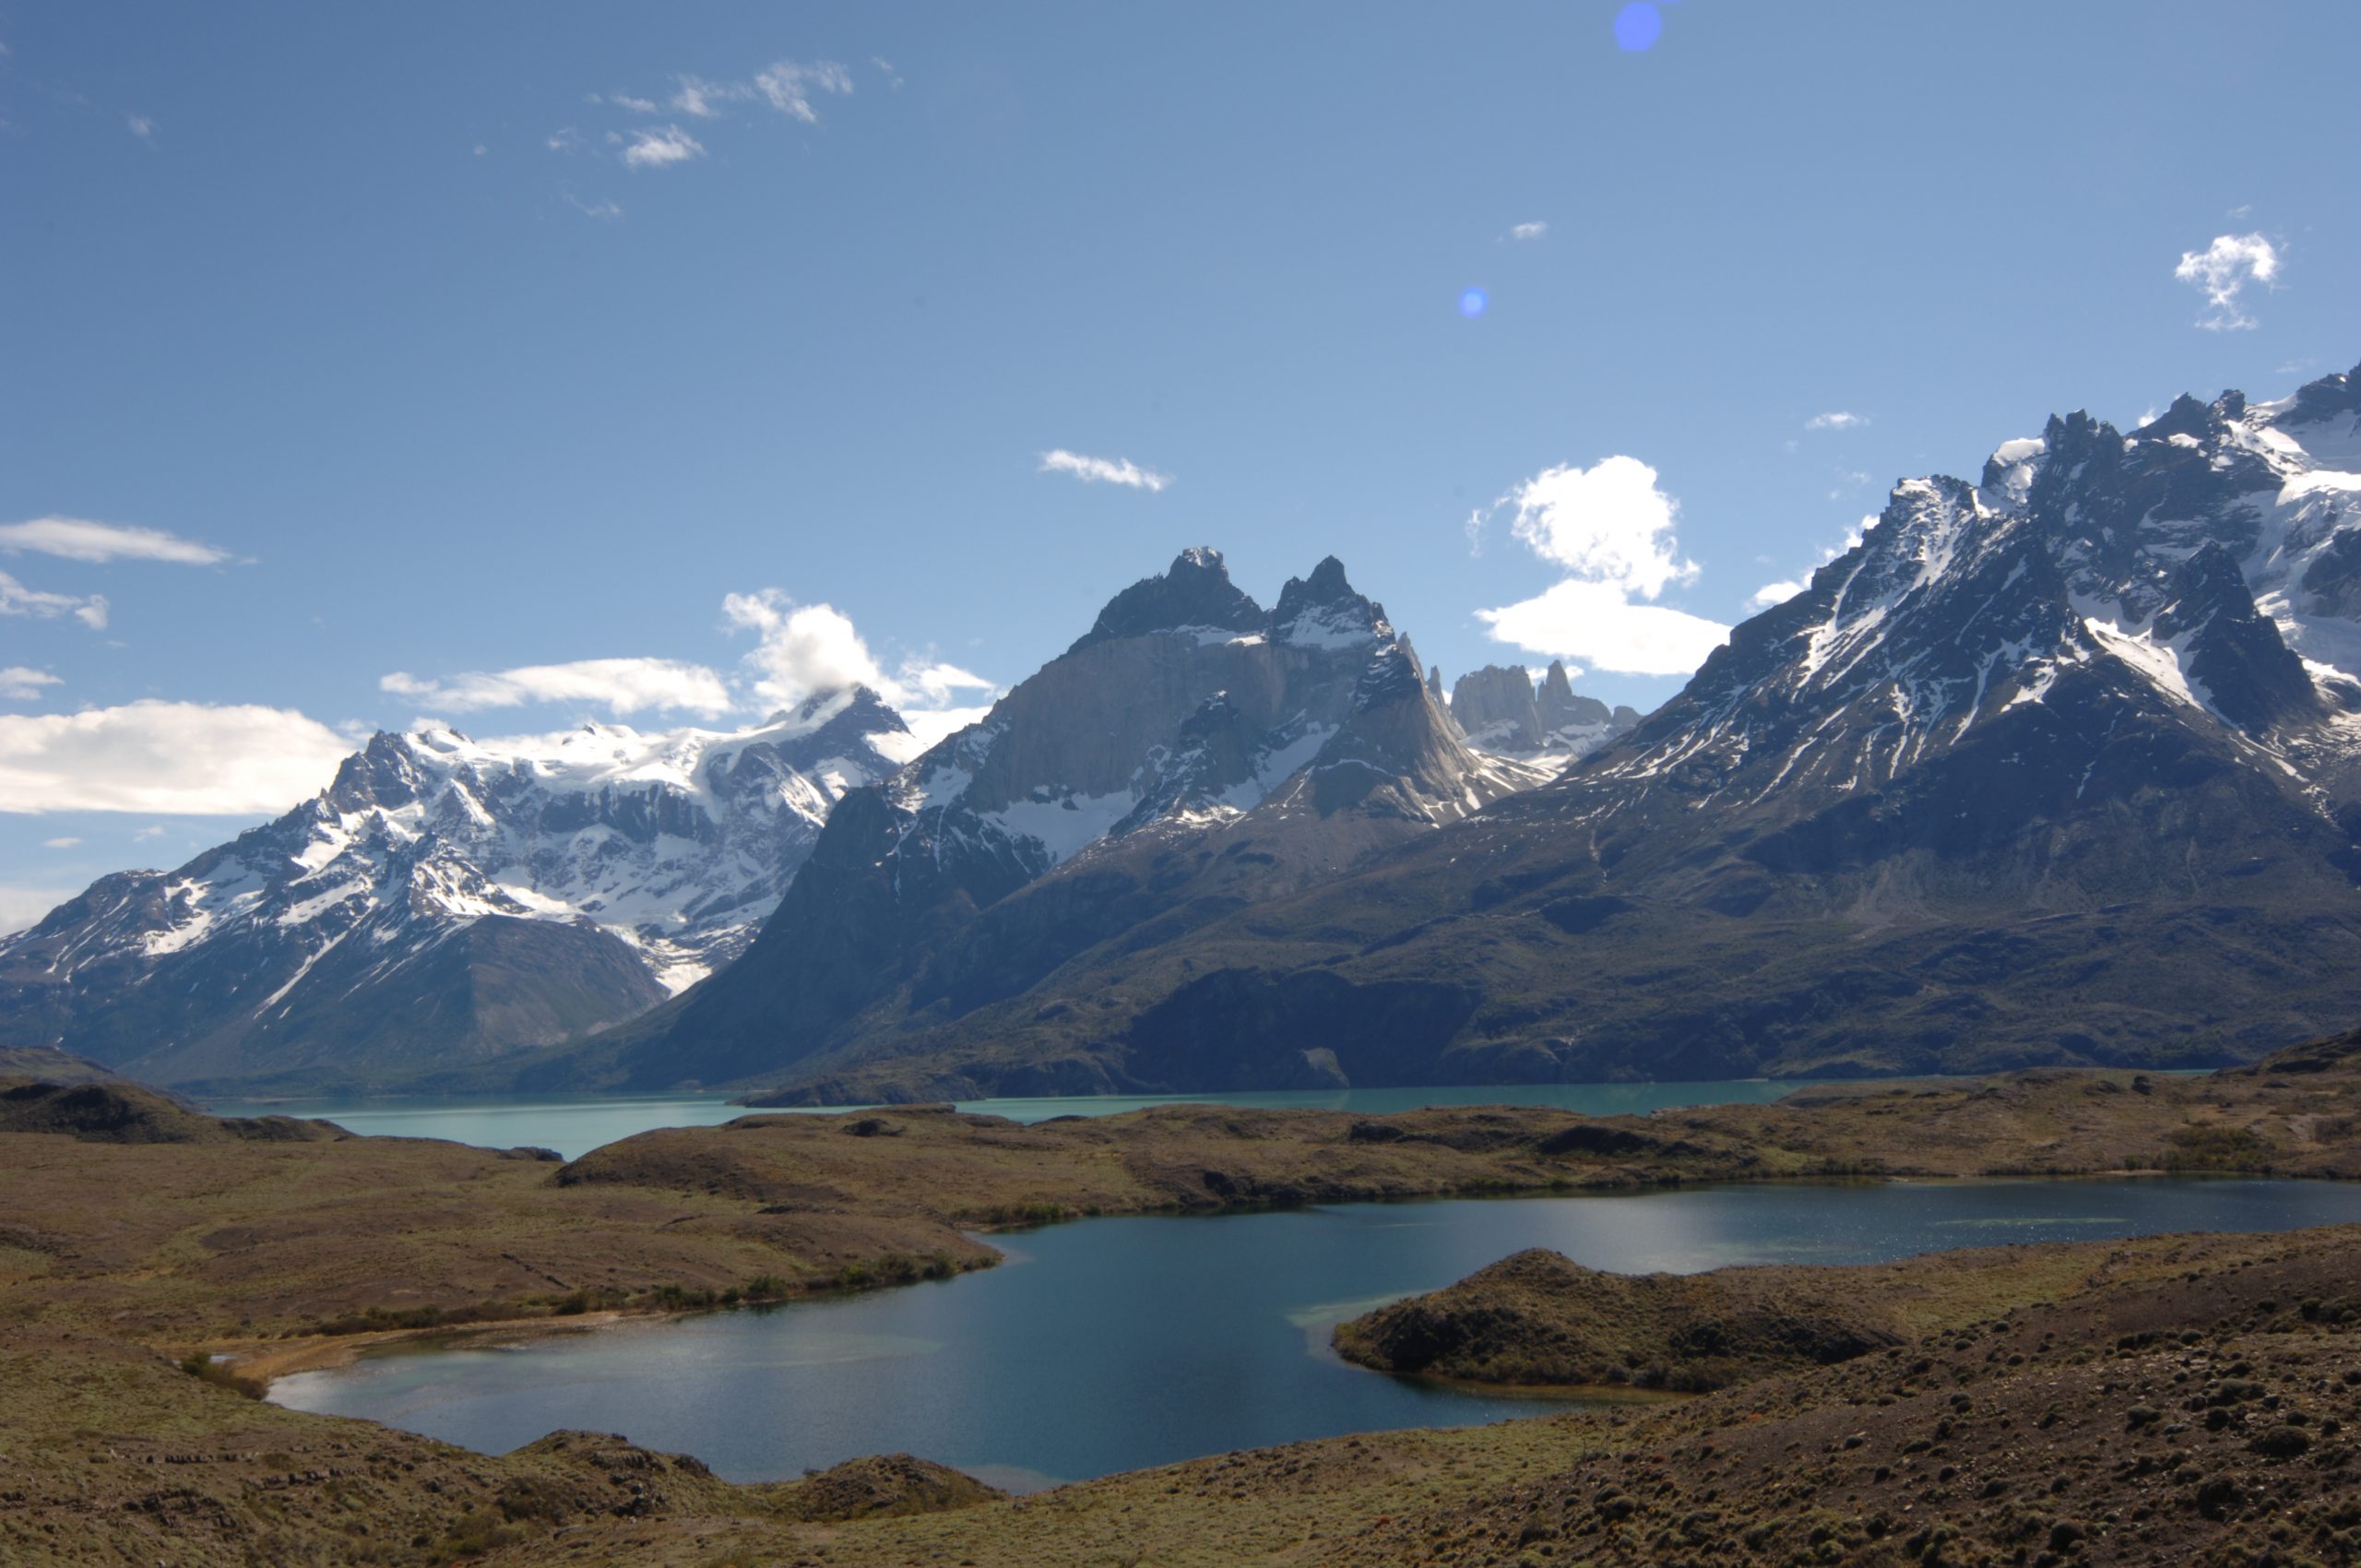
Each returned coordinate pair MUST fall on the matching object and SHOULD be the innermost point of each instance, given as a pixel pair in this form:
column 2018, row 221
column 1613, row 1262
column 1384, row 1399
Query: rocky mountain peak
column 1195, row 591
column 1500, row 711
column 2330, row 398
column 1324, row 611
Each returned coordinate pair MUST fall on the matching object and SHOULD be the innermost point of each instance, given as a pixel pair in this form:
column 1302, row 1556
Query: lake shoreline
column 134, row 1231
column 273, row 1359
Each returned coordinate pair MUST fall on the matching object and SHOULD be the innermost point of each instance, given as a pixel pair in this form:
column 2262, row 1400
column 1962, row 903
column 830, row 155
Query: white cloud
column 929, row 725
column 142, row 127
column 2222, row 269
column 1608, row 523
column 565, row 138
column 697, row 97
column 1836, row 420
column 19, row 684
column 15, row 598
column 804, row 649
column 1769, row 594
column 1528, row 230
column 165, row 757
column 787, row 86
column 936, row 684
column 1611, row 526
column 67, row 842
column 148, row 834
column 606, row 209
column 1597, row 623
column 22, row 907
column 1102, row 470
column 622, row 686
column 78, row 539
column 655, row 147
column 624, row 101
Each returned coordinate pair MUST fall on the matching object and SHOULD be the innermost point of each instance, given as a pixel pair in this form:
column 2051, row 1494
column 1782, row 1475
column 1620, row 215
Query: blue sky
column 516, row 365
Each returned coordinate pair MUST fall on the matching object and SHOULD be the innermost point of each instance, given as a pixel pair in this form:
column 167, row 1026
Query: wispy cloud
column 1611, row 529
column 661, row 147
column 21, row 683
column 1528, row 230
column 67, row 842
column 595, row 208
column 1836, row 420
column 149, row 834
column 1102, row 470
column 625, row 100
column 620, row 686
column 2223, row 270
column 787, row 86
column 15, row 598
column 142, row 127
column 703, row 100
column 165, row 758
column 79, row 538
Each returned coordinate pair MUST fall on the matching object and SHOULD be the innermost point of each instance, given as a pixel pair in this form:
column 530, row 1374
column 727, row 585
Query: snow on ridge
column 1330, row 627
column 679, row 843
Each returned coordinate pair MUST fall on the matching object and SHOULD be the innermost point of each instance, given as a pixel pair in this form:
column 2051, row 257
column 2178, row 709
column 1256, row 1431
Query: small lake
column 575, row 1125
column 1111, row 1344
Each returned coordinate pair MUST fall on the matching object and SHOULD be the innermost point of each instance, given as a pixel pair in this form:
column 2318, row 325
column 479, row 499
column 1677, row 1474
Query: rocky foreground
column 2181, row 1397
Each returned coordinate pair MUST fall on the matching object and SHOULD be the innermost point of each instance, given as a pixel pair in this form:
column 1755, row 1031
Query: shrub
column 220, row 1374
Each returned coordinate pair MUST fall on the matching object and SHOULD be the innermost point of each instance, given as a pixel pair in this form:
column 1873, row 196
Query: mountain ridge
column 2024, row 777
column 1188, row 722
column 444, row 899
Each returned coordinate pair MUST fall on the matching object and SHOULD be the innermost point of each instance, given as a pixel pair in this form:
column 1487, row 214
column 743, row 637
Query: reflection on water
column 574, row 1126
column 1139, row 1341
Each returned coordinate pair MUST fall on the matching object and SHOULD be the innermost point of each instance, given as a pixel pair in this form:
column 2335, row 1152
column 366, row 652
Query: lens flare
column 1637, row 26
column 1472, row 304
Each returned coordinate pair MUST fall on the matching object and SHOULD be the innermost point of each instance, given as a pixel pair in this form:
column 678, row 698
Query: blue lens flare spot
column 1637, row 26
column 1472, row 304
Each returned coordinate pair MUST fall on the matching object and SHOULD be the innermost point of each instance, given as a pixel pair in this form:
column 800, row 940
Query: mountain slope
column 2056, row 767
column 1192, row 747
column 444, row 899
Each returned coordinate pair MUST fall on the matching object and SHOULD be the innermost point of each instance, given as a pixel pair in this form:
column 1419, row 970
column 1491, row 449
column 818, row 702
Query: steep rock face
column 1012, row 846
column 445, row 899
column 1501, row 712
column 2058, row 767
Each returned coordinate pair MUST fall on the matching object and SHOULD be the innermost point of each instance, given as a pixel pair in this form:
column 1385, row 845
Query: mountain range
column 2062, row 764
column 445, row 899
column 2054, row 766
column 1193, row 753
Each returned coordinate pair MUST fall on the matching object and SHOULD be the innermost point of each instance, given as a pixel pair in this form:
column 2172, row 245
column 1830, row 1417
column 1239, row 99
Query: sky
column 517, row 366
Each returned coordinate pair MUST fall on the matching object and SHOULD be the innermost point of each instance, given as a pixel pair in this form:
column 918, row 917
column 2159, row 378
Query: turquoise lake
column 1111, row 1344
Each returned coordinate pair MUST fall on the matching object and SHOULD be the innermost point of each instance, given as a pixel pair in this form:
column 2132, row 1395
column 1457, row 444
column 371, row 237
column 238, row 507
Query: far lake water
column 1111, row 1344
column 574, row 1126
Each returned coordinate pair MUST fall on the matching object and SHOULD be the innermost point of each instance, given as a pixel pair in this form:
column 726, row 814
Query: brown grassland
column 2182, row 1397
